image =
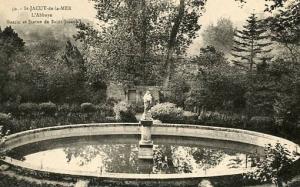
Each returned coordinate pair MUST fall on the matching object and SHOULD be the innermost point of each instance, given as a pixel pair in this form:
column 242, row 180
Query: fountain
column 135, row 154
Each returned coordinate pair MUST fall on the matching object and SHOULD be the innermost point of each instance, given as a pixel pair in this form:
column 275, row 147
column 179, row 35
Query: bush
column 88, row 107
column 28, row 108
column 189, row 116
column 167, row 113
column 6, row 180
column 10, row 107
column 275, row 166
column 220, row 119
column 138, row 108
column 111, row 101
column 124, row 112
column 5, row 122
column 64, row 108
column 105, row 110
column 48, row 108
column 75, row 108
column 261, row 122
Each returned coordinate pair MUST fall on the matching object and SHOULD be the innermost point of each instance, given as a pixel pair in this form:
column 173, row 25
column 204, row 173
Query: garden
column 244, row 77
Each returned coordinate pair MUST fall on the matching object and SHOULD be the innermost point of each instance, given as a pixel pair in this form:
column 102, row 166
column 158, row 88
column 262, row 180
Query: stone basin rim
column 198, row 131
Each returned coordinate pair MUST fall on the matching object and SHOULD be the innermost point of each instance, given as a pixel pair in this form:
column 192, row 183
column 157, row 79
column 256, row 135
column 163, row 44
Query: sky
column 83, row 9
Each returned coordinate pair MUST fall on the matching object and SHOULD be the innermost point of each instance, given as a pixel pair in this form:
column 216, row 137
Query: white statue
column 147, row 106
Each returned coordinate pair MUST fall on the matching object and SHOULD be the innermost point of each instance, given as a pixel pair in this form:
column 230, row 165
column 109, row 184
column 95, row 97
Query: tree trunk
column 172, row 42
column 143, row 43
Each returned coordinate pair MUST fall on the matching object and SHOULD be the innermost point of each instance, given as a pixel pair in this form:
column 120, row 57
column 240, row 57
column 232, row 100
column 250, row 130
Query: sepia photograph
column 149, row 93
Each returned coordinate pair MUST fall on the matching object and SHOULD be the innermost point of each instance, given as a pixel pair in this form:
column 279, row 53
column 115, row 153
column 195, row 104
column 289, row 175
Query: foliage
column 48, row 108
column 62, row 117
column 88, row 107
column 178, row 89
column 189, row 116
column 137, row 38
column 276, row 4
column 10, row 42
column 105, row 109
column 75, row 108
column 222, row 119
column 10, row 45
column 209, row 57
column 220, row 36
column 5, row 123
column 167, row 112
column 64, row 108
column 124, row 112
column 13, row 181
column 218, row 86
column 261, row 91
column 287, row 102
column 251, row 45
column 285, row 28
column 274, row 166
column 261, row 122
column 28, row 108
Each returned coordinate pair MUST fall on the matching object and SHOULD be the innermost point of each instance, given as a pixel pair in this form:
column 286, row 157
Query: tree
column 250, row 45
column 137, row 32
column 287, row 100
column 285, row 28
column 261, row 91
column 220, row 36
column 10, row 44
column 218, row 86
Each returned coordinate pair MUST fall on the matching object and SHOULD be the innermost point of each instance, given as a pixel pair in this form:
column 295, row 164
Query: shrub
column 220, row 119
column 5, row 122
column 275, row 166
column 28, row 108
column 48, row 108
column 88, row 107
column 261, row 122
column 64, row 108
column 10, row 107
column 167, row 112
column 124, row 112
column 75, row 108
column 189, row 116
column 111, row 101
column 105, row 110
column 138, row 108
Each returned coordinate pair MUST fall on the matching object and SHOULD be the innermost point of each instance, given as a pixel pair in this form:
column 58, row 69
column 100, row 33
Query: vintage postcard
column 193, row 93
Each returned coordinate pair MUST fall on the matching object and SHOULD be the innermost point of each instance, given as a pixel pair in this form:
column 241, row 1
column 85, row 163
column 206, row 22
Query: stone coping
column 180, row 130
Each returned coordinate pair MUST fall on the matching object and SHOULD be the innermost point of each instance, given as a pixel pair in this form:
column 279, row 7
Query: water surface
column 119, row 154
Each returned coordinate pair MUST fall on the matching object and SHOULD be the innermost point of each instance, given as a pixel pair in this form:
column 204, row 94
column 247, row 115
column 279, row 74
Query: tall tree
column 251, row 45
column 220, row 36
column 218, row 85
column 10, row 44
column 285, row 28
column 140, row 35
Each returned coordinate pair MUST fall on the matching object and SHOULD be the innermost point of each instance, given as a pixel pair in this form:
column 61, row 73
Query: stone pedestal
column 145, row 166
column 146, row 144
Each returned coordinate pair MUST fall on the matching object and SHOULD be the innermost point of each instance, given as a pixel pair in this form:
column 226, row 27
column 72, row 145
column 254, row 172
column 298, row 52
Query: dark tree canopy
column 10, row 45
column 10, row 42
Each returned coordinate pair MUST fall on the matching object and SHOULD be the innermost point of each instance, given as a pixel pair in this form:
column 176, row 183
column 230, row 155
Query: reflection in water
column 116, row 157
